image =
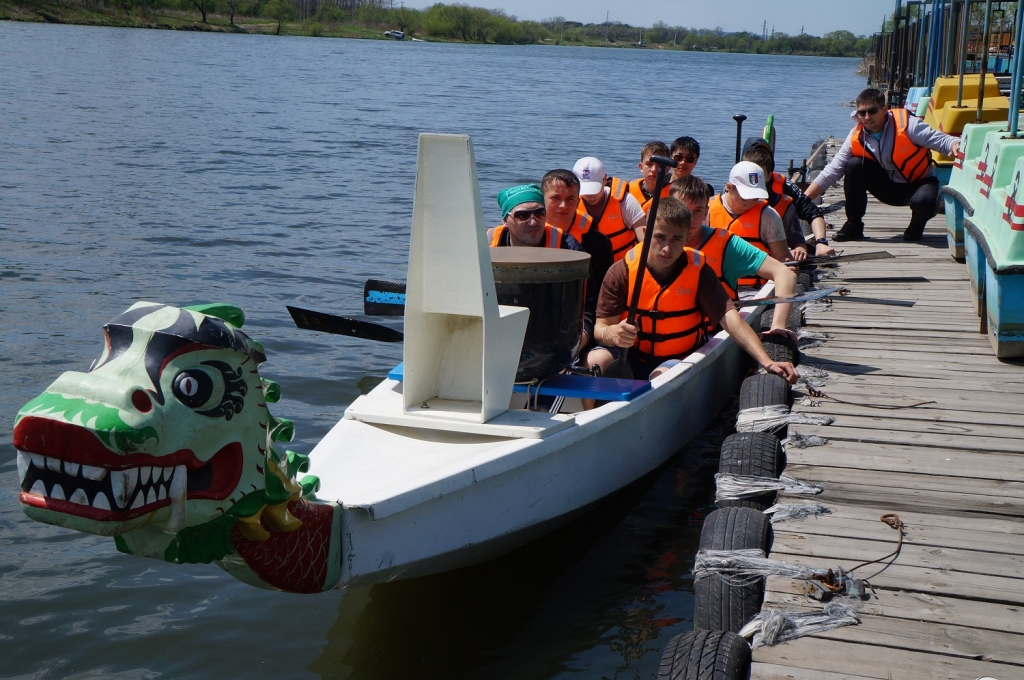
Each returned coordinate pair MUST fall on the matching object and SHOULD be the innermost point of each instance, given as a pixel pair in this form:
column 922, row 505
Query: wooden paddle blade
column 853, row 257
column 340, row 325
column 384, row 298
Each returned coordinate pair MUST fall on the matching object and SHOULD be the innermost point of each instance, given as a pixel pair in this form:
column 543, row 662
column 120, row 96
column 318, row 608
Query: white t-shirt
column 632, row 214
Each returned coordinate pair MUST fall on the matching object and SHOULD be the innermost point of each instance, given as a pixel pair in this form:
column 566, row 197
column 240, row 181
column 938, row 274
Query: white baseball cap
column 748, row 178
column 591, row 174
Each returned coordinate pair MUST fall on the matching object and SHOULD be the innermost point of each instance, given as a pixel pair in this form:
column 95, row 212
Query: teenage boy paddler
column 679, row 294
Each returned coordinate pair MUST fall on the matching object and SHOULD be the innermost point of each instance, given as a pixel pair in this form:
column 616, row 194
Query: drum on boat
column 551, row 283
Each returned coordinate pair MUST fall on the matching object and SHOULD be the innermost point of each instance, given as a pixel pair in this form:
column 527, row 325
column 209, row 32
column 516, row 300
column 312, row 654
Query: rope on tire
column 774, row 418
column 769, row 628
column 745, row 567
column 803, row 441
column 735, row 487
column 797, row 512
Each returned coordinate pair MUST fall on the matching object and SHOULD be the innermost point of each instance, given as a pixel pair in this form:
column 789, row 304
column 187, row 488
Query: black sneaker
column 913, row 232
column 850, row 232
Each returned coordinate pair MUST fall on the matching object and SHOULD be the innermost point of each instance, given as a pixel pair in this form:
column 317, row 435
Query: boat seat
column 580, row 386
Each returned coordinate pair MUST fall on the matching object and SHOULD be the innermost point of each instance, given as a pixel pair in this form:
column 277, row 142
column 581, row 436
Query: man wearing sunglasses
column 686, row 152
column 887, row 154
column 523, row 221
column 525, row 225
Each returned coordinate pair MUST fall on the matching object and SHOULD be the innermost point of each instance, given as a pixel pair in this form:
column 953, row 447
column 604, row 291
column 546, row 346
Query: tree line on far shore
column 460, row 22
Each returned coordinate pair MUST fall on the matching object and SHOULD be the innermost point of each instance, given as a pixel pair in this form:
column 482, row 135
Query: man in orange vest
column 642, row 188
column 730, row 256
column 790, row 202
column 562, row 199
column 743, row 210
column 617, row 214
column 678, row 292
column 524, row 225
column 885, row 154
column 523, row 221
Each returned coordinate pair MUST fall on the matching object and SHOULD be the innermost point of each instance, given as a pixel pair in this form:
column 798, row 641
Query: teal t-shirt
column 876, row 135
column 740, row 258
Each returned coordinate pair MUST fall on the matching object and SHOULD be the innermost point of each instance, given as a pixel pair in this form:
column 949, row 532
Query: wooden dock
column 952, row 605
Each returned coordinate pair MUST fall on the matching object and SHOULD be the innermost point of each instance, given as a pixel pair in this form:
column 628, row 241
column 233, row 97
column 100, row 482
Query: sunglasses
column 524, row 215
column 680, row 158
column 864, row 113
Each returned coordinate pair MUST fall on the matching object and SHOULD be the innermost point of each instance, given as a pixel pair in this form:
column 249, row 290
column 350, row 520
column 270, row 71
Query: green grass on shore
column 163, row 18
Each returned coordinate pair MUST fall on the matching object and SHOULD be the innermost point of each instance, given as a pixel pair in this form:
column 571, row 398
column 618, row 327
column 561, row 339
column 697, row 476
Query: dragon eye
column 193, row 387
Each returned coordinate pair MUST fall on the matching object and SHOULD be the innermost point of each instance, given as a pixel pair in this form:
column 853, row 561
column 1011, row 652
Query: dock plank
column 949, row 606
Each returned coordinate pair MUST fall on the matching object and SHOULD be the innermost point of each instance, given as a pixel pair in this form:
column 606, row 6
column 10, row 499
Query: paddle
column 739, row 118
column 620, row 367
column 384, row 298
column 825, row 259
column 340, row 325
column 817, row 295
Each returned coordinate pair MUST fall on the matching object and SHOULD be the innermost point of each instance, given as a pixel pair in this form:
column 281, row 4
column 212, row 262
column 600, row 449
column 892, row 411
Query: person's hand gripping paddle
column 620, row 367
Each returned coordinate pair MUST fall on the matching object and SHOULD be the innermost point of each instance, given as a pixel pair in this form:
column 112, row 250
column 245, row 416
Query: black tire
column 780, row 348
column 805, row 279
column 719, row 604
column 764, row 389
column 755, row 454
column 701, row 655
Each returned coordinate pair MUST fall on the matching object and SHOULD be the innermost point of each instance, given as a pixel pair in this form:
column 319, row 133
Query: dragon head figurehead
column 166, row 443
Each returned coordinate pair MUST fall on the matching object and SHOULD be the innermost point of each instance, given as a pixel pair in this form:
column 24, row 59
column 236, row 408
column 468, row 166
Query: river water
column 264, row 171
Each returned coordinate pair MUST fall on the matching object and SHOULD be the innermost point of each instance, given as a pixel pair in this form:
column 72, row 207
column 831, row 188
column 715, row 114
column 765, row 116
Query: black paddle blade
column 340, row 325
column 384, row 298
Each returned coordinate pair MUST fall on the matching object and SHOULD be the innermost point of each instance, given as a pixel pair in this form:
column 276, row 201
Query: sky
column 861, row 17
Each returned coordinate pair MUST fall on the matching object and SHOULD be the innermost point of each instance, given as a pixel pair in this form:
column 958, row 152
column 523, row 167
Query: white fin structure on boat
column 461, row 347
column 461, row 359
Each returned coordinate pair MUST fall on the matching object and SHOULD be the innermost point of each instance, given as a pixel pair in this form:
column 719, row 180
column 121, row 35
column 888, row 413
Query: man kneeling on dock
column 887, row 154
column 679, row 291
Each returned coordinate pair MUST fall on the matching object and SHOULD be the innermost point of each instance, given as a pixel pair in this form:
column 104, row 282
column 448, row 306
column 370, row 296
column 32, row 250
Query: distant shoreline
column 164, row 19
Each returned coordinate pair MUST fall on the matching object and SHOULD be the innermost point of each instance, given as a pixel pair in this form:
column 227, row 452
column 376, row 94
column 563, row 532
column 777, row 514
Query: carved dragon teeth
column 120, row 490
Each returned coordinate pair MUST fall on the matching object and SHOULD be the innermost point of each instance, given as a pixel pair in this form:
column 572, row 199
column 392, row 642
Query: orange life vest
column 911, row 160
column 775, row 191
column 747, row 226
column 646, row 203
column 637, row 190
column 713, row 250
column 552, row 236
column 670, row 324
column 581, row 224
column 612, row 224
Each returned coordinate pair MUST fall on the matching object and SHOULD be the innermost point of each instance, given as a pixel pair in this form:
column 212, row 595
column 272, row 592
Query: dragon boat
column 167, row 443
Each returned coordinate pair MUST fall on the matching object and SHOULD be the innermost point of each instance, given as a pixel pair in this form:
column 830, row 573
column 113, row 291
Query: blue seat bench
column 581, row 386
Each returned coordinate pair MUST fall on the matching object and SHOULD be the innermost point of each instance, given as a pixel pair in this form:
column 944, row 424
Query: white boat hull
column 417, row 502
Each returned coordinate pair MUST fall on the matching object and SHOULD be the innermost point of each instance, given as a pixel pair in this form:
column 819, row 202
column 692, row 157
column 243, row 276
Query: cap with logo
column 748, row 178
column 591, row 174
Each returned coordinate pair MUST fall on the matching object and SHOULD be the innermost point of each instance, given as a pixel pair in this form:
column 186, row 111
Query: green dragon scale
column 167, row 445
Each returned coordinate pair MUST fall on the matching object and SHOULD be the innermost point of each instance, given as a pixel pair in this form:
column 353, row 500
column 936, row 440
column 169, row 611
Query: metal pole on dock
column 919, row 63
column 893, row 54
column 947, row 62
column 935, row 57
column 1016, row 71
column 963, row 54
column 984, row 61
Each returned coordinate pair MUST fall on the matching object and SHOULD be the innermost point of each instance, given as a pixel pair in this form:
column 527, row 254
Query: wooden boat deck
column 952, row 605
